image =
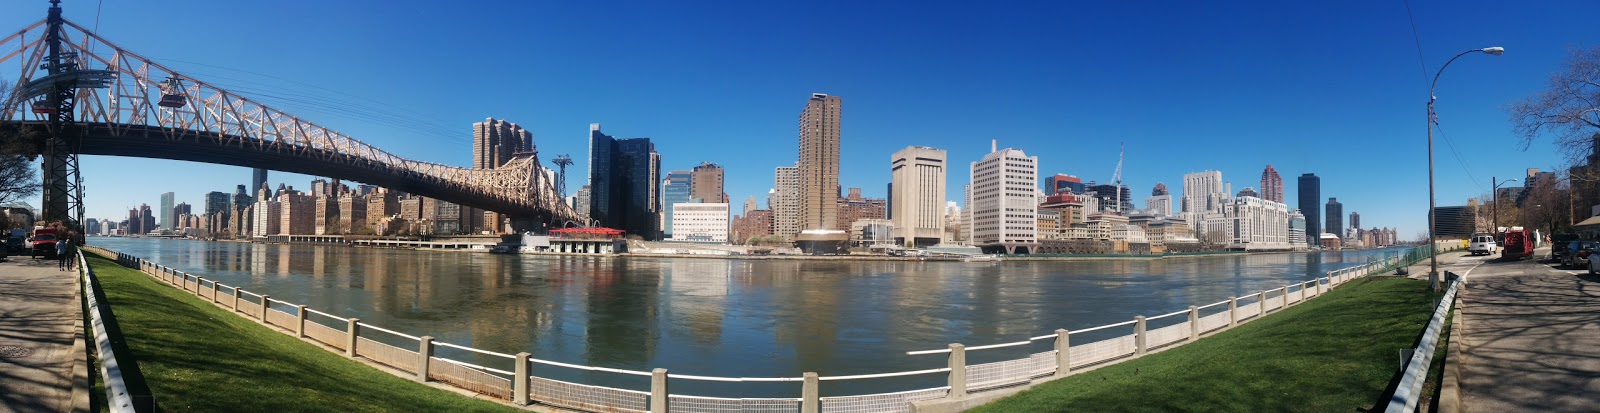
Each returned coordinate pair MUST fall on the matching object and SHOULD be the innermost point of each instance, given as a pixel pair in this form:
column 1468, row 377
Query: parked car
column 1519, row 245
column 1482, row 244
column 1558, row 245
column 1594, row 267
column 1577, row 254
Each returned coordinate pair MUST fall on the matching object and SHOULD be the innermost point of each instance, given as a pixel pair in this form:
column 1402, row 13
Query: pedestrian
column 62, row 247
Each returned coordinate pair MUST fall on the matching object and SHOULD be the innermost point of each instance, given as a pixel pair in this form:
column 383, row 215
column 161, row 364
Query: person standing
column 62, row 247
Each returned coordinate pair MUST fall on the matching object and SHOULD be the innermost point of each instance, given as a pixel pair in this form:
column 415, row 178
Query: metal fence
column 510, row 378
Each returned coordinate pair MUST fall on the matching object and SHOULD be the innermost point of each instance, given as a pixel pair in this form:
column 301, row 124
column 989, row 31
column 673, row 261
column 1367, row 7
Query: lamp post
column 1494, row 196
column 1433, row 233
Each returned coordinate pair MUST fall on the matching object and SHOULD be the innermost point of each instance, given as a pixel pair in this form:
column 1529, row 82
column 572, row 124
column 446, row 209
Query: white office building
column 917, row 200
column 1250, row 224
column 700, row 222
column 1003, row 201
column 1203, row 193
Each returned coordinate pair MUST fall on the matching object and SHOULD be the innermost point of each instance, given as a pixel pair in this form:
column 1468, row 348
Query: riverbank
column 1335, row 353
column 197, row 357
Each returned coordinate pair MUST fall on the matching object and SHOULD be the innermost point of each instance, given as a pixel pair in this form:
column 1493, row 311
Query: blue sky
column 1335, row 89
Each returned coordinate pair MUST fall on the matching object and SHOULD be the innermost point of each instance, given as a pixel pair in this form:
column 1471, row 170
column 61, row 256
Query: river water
column 732, row 318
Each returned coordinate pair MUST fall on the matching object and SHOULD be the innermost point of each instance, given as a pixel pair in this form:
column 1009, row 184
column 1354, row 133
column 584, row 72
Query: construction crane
column 562, row 161
column 1116, row 177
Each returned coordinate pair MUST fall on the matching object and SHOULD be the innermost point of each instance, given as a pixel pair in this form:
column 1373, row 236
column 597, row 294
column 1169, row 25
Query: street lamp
column 1433, row 235
column 1494, row 196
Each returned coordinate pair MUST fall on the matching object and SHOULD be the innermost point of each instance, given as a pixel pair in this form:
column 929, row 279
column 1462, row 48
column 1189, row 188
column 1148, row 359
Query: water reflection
column 752, row 318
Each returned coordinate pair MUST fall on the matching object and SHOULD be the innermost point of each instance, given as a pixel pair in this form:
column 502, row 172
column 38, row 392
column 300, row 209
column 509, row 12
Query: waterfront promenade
column 39, row 315
column 1531, row 333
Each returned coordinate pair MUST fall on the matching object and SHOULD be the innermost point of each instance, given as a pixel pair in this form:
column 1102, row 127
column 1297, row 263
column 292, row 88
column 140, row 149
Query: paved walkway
column 1533, row 339
column 37, row 313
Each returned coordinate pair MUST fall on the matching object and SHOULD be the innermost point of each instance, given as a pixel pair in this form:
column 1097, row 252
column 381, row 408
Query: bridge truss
column 131, row 107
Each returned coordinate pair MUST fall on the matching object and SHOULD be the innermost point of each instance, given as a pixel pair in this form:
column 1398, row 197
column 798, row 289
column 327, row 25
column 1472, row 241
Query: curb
column 1455, row 357
column 80, row 369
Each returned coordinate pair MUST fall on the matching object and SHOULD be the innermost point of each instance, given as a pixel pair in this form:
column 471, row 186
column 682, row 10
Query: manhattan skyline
column 1331, row 90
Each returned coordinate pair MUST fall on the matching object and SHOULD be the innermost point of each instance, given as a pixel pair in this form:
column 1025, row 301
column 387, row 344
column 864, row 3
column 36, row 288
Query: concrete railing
column 1409, row 392
column 118, row 398
column 508, row 377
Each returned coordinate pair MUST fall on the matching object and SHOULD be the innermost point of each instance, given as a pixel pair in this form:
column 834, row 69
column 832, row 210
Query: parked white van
column 1483, row 244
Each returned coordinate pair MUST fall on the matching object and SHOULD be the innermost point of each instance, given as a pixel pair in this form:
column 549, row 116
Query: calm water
column 731, row 318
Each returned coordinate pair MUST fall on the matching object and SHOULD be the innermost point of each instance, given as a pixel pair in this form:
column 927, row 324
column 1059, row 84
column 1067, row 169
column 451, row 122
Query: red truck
column 44, row 242
column 1519, row 245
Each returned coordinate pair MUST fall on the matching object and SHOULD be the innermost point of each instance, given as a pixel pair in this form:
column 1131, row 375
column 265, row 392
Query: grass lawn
column 197, row 357
column 1335, row 353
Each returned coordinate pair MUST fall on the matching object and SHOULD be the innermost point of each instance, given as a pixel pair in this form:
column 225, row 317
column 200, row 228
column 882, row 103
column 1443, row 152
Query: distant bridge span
column 151, row 111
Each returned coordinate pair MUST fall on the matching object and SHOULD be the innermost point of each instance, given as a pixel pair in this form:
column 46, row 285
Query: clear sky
column 1337, row 89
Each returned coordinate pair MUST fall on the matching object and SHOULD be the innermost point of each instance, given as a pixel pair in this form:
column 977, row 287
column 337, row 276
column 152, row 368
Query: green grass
column 1337, row 353
column 197, row 357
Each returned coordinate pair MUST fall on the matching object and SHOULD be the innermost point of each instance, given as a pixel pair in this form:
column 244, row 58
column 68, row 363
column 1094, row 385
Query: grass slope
column 198, row 357
column 1335, row 353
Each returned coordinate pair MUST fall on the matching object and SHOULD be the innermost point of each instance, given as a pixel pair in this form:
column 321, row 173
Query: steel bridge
column 140, row 108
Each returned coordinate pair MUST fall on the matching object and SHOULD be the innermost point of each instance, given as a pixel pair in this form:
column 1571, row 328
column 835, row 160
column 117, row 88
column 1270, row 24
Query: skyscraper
column 750, row 205
column 495, row 141
column 1310, row 194
column 819, row 162
column 917, row 195
column 624, row 175
column 1355, row 220
column 785, row 202
column 1271, row 185
column 706, row 184
column 166, row 210
column 1335, row 218
column 258, row 179
column 675, row 190
column 1003, row 201
column 1059, row 183
column 1202, row 193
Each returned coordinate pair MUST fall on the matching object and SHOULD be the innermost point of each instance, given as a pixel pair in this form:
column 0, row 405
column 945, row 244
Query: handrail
column 734, row 379
column 310, row 310
column 365, row 325
column 589, row 368
column 882, row 375
column 1124, row 323
column 116, row 387
column 474, row 350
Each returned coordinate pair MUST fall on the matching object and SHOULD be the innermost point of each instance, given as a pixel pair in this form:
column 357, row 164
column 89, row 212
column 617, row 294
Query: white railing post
column 265, row 302
column 658, row 391
column 1233, row 311
column 214, row 291
column 198, row 281
column 958, row 371
column 1063, row 353
column 1283, row 292
column 425, row 354
column 300, row 323
column 810, row 399
column 1261, row 303
column 519, row 383
column 236, row 295
column 1138, row 336
column 1194, row 323
column 352, row 328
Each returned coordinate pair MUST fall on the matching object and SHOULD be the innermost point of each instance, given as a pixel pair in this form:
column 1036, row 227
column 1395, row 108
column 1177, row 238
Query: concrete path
column 1533, row 338
column 37, row 315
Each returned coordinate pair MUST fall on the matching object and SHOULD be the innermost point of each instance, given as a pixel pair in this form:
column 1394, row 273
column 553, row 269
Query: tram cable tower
column 54, row 97
column 562, row 162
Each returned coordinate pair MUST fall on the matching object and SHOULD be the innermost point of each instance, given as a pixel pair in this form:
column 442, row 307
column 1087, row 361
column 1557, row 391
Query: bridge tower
column 63, row 192
column 562, row 162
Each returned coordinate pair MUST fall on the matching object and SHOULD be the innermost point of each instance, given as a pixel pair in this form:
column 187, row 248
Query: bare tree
column 1547, row 206
column 1568, row 109
column 18, row 175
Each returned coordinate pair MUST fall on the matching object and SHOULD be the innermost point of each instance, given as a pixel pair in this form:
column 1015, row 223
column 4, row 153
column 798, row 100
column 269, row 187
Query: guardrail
column 1409, row 392
column 510, row 379
column 118, row 398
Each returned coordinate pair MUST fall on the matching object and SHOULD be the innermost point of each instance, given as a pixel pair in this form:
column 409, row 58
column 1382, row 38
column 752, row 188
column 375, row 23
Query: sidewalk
column 38, row 313
column 1532, row 338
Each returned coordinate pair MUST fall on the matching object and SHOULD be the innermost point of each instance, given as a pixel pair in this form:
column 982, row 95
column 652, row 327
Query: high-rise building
column 166, row 210
column 624, row 175
column 1202, row 193
column 352, row 213
column 755, row 223
column 1250, row 223
column 1113, row 198
column 1059, row 183
column 216, row 202
column 147, row 221
column 268, row 216
column 258, row 180
column 706, row 183
column 1355, row 219
column 1003, row 201
column 1159, row 190
column 1297, row 228
column 1335, row 218
column 91, row 226
column 582, row 200
column 1271, row 185
column 327, row 215
column 676, row 189
column 1160, row 201
column 1310, row 195
column 296, row 215
column 819, row 162
column 750, row 205
column 917, row 195
column 785, row 202
column 495, row 141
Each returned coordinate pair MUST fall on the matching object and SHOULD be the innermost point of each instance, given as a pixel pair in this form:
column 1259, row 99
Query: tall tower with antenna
column 562, row 162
